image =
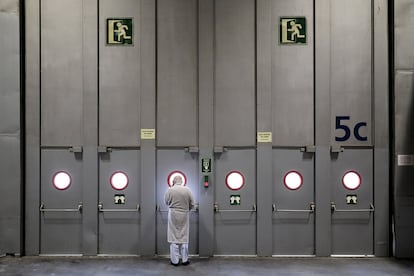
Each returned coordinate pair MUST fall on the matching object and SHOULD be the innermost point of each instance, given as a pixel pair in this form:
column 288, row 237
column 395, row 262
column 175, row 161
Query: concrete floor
column 103, row 266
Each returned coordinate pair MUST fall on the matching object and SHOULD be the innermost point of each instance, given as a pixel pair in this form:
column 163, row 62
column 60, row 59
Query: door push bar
column 43, row 209
column 158, row 208
column 371, row 208
column 217, row 209
column 310, row 210
column 101, row 209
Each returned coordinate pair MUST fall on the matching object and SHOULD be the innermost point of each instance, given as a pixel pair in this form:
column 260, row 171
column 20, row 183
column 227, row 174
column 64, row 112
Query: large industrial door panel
column 61, row 202
column 352, row 204
column 61, row 68
column 234, row 73
column 177, row 73
column 172, row 162
column 235, row 203
column 351, row 72
column 120, row 72
column 292, row 73
column 119, row 193
column 293, row 203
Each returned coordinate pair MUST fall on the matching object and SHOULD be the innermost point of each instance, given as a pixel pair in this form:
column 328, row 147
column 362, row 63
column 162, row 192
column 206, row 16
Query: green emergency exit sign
column 235, row 199
column 119, row 31
column 206, row 165
column 292, row 30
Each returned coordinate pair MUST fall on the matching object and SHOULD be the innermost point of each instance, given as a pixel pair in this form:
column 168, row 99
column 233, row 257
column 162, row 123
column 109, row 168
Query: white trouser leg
column 174, row 253
column 184, row 252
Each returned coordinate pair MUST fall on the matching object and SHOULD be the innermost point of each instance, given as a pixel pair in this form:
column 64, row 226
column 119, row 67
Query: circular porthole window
column 119, row 180
column 61, row 180
column 351, row 180
column 293, row 180
column 178, row 176
column 235, row 180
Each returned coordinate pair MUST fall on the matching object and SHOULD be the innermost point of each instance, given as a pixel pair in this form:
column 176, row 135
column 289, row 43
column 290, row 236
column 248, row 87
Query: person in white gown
column 180, row 201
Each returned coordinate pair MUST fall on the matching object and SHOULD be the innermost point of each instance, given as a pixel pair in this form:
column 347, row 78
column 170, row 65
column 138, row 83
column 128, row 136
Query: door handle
column 334, row 209
column 104, row 149
column 308, row 149
column 218, row 210
column 43, row 209
column 158, row 209
column 101, row 209
column 311, row 209
column 76, row 149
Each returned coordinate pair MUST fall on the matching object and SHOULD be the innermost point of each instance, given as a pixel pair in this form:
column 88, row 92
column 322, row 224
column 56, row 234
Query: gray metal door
column 171, row 162
column 293, row 203
column 61, row 129
column 177, row 108
column 235, row 202
column 352, row 128
column 61, row 202
column 293, row 128
column 119, row 191
column 119, row 125
column 352, row 204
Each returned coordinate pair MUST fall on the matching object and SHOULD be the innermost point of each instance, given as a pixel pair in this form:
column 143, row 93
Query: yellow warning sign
column 147, row 133
column 264, row 137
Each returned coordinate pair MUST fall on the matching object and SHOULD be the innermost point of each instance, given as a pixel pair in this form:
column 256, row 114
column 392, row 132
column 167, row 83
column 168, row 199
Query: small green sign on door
column 119, row 31
column 119, row 199
column 235, row 200
column 292, row 30
column 206, row 165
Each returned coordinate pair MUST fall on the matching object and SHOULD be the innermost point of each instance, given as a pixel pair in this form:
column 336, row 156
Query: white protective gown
column 180, row 201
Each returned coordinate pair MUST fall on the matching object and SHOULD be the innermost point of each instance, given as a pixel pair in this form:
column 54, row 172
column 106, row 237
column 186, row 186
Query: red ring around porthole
column 235, row 180
column 174, row 174
column 293, row 180
column 119, row 180
column 351, row 180
column 61, row 180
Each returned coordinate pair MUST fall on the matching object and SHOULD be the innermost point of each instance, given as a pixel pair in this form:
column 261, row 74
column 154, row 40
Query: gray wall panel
column 9, row 71
column 322, row 124
column 32, row 128
column 404, row 225
column 90, row 126
column 292, row 79
column 61, row 72
column 382, row 129
column 351, row 66
column 10, row 172
column 264, row 123
column 404, row 129
column 9, row 109
column 235, row 73
column 177, row 73
column 119, row 78
column 206, row 133
column 148, row 107
column 10, row 167
column 10, row 231
column 404, row 41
